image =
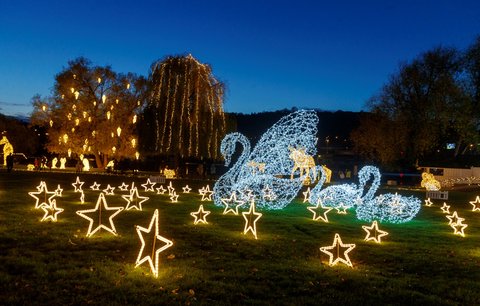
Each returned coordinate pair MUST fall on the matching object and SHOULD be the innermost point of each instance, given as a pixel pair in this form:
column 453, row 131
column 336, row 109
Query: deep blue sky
column 272, row 54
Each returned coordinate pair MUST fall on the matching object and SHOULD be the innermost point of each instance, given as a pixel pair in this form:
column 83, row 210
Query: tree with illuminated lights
column 185, row 109
column 93, row 110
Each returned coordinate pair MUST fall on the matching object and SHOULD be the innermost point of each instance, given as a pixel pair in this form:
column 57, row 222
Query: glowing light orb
column 99, row 215
column 200, row 215
column 374, row 233
column 338, row 252
column 158, row 245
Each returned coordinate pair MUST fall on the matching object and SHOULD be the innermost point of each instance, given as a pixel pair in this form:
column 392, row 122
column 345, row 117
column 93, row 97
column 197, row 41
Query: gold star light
column 123, row 187
column 341, row 209
column 58, row 191
column 251, row 217
column 338, row 252
column 151, row 249
column 428, row 202
column 373, row 233
column 454, row 218
column 186, row 189
column 148, row 185
column 51, row 211
column 206, row 193
column 200, row 215
column 458, row 228
column 306, row 195
column 78, row 185
column 109, row 190
column 161, row 190
column 230, row 202
column 476, row 204
column 101, row 215
column 445, row 208
column 95, row 186
column 41, row 196
column 170, row 188
column 174, row 197
column 319, row 211
column 133, row 199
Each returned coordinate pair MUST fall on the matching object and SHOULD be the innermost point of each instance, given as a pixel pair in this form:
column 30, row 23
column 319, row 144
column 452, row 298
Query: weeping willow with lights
column 185, row 110
column 93, row 110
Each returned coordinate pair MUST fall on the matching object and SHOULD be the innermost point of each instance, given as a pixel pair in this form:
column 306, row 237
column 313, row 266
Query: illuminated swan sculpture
column 392, row 208
column 347, row 195
column 296, row 130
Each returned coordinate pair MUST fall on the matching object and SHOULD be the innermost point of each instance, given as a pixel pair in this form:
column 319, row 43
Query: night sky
column 331, row 55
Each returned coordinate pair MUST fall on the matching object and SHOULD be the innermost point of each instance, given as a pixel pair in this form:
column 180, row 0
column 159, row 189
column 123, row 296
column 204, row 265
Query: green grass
column 420, row 262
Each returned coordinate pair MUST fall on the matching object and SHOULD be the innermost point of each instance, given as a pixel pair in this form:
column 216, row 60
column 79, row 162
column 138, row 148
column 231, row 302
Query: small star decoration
column 230, row 203
column 373, row 233
column 338, row 251
column 251, row 217
column 97, row 218
column 200, row 215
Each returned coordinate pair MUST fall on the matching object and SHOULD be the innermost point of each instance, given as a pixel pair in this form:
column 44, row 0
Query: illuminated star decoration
column 251, row 217
column 186, row 189
column 148, row 185
column 338, row 252
column 174, row 197
column 459, row 227
column 100, row 208
column 454, row 218
column 152, row 252
column 445, row 208
column 206, row 193
column 51, row 211
column 341, row 209
column 306, row 195
column 58, row 191
column 109, row 190
column 123, row 187
column 230, row 202
column 78, row 185
column 170, row 188
column 161, row 190
column 476, row 204
column 41, row 195
column 319, row 211
column 428, row 202
column 200, row 215
column 268, row 194
column 95, row 186
column 133, row 199
column 373, row 233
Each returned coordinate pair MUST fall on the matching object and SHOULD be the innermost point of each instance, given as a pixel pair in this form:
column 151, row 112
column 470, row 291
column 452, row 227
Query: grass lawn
column 419, row 262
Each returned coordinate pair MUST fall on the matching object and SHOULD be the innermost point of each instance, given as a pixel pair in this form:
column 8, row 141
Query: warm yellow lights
column 319, row 211
column 157, row 245
column 51, row 211
column 100, row 214
column 428, row 202
column 7, row 149
column 476, row 204
column 200, row 215
column 206, row 193
column 445, row 208
column 108, row 115
column 170, row 188
column 454, row 218
column 251, row 217
column 119, row 131
column 186, row 189
column 76, row 93
column 109, row 190
column 42, row 196
column 230, row 203
column 373, row 233
column 95, row 186
column 134, row 119
column 65, row 138
column 134, row 199
column 429, row 182
column 123, row 187
column 306, row 195
column 303, row 162
column 169, row 173
column 459, row 227
column 148, row 186
column 338, row 252
column 174, row 197
column 161, row 190
column 134, row 143
column 99, row 80
column 104, row 98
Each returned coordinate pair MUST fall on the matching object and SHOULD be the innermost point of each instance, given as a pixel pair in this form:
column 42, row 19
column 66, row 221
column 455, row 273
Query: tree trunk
column 98, row 161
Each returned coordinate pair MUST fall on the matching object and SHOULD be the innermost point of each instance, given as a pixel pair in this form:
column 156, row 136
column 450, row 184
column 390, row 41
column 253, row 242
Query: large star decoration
column 428, row 202
column 445, row 208
column 134, row 199
column 78, row 185
column 319, row 211
column 476, row 204
column 186, row 189
column 454, row 218
column 109, row 190
column 42, row 195
column 149, row 185
column 374, row 233
column 230, row 202
column 251, row 217
column 152, row 250
column 161, row 190
column 338, row 251
column 459, row 227
column 200, row 215
column 95, row 186
column 101, row 212
column 51, row 211
column 206, row 193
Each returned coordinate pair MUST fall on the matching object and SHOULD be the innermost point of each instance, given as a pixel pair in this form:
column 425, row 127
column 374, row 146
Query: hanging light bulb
column 114, row 150
column 72, row 89
column 74, row 76
column 51, row 123
column 69, row 116
column 85, row 115
column 104, row 98
column 134, row 120
column 137, row 155
column 94, row 103
column 99, row 80
column 94, row 133
column 65, row 138
column 134, row 143
column 128, row 85
column 116, row 101
column 69, row 152
column 44, row 107
column 84, row 147
column 89, row 119
column 73, row 130
column 108, row 115
column 77, row 122
column 112, row 134
column 76, row 95
column 119, row 131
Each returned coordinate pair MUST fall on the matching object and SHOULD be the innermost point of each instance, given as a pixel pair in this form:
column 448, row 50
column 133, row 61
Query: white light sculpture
column 303, row 162
column 153, row 250
column 54, row 163
column 148, row 185
column 298, row 131
column 98, row 219
column 445, row 208
column 392, row 208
